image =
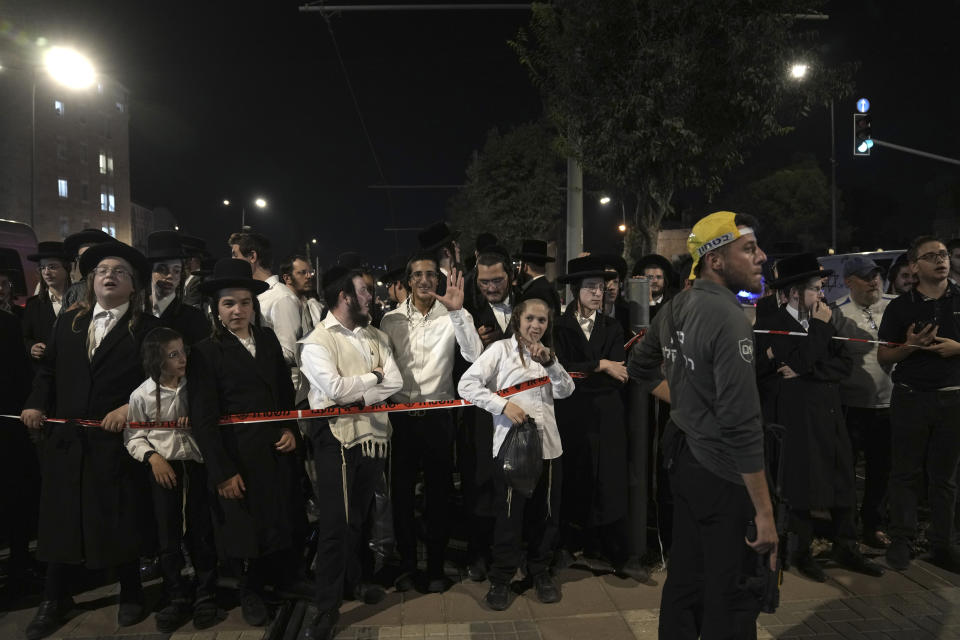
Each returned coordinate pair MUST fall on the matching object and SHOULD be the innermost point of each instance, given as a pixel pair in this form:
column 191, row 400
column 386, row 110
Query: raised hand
column 452, row 298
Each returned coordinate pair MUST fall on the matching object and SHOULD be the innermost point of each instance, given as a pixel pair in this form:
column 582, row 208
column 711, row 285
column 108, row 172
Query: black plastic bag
column 521, row 457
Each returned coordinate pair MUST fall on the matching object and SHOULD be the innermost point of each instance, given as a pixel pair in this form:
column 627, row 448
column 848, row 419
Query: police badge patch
column 746, row 350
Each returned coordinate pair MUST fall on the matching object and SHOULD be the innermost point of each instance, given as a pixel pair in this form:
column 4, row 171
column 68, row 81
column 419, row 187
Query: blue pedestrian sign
column 863, row 105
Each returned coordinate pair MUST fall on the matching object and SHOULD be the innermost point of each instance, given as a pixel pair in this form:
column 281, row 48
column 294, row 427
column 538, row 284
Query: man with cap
column 91, row 495
column 533, row 280
column 660, row 274
column 714, row 447
column 74, row 245
column 866, row 392
column 801, row 378
column 346, row 362
column 393, row 279
column 165, row 255
column 42, row 310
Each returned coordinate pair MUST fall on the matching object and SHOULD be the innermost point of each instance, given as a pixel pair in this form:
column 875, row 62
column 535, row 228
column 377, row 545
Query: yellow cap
column 712, row 232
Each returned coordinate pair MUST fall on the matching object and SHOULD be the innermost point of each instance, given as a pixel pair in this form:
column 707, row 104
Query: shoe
column 205, row 614
column 808, row 567
column 946, row 558
column 851, row 558
column 173, row 616
column 439, row 584
column 130, row 613
column 322, row 626
column 498, row 597
column 898, row 554
column 405, row 582
column 477, row 570
column 253, row 607
column 633, row 569
column 149, row 568
column 547, row 589
column 876, row 539
column 563, row 559
column 49, row 617
column 369, row 593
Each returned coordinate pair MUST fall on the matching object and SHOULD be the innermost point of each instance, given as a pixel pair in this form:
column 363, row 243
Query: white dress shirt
column 425, row 347
column 250, row 344
column 328, row 387
column 586, row 323
column 268, row 297
column 103, row 321
column 172, row 444
column 502, row 312
column 500, row 367
column 284, row 316
column 56, row 301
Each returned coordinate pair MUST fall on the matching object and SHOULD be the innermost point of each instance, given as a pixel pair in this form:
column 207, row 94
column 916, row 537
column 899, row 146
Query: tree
column 514, row 188
column 653, row 96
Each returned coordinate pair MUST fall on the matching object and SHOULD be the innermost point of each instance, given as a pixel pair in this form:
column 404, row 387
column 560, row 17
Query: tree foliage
column 653, row 96
column 514, row 188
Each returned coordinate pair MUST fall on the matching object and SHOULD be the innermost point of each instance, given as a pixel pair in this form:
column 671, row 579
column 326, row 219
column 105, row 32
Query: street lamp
column 260, row 203
column 798, row 70
column 605, row 200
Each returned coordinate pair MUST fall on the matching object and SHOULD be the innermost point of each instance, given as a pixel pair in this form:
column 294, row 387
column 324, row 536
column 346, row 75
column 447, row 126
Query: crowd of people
column 121, row 379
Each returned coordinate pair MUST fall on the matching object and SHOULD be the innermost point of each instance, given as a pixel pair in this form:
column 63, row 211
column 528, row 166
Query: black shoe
column 633, row 569
column 498, row 597
column 149, row 568
column 205, row 614
column 851, row 558
column 369, row 593
column 898, row 554
column 253, row 607
column 547, row 589
column 173, row 616
column 322, row 626
column 876, row 539
column 946, row 558
column 406, row 581
column 439, row 584
column 49, row 617
column 477, row 570
column 563, row 559
column 808, row 567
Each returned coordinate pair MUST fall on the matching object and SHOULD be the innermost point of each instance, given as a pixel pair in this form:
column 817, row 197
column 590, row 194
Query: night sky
column 238, row 100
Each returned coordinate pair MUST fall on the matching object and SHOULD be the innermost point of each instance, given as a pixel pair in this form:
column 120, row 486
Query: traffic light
column 862, row 134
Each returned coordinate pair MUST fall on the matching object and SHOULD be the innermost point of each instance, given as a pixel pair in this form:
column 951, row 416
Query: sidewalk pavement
column 920, row 603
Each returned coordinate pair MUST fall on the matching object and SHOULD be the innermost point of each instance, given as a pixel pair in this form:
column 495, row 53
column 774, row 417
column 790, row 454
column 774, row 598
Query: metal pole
column 574, row 211
column 833, row 181
column 916, row 152
column 243, row 217
column 33, row 153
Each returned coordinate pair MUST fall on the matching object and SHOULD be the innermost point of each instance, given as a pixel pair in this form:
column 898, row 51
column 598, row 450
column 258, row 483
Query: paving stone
column 848, row 631
column 528, row 635
column 866, row 610
column 435, row 629
column 412, row 631
column 391, row 632
column 598, row 627
column 502, row 627
column 874, row 625
column 838, row 615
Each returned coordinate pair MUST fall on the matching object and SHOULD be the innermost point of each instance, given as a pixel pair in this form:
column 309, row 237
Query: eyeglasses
column 174, row 355
column 935, row 256
column 424, row 275
column 119, row 272
column 166, row 270
column 597, row 287
column 304, row 272
column 49, row 267
column 492, row 282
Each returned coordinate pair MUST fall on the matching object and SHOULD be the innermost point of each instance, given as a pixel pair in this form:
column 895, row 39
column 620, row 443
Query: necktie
column 99, row 324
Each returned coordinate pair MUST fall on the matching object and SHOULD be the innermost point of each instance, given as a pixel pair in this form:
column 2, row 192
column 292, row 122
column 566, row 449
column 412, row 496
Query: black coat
column 38, row 319
column 591, row 423
column 817, row 458
column 188, row 321
column 543, row 289
column 223, row 378
column 191, row 292
column 93, row 491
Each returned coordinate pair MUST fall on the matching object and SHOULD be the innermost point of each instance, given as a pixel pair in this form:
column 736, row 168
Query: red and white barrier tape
column 803, row 334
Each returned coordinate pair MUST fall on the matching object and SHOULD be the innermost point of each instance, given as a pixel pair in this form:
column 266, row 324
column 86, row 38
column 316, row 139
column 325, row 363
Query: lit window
column 104, row 201
column 103, row 163
column 120, row 107
column 58, row 107
column 110, row 228
column 111, row 201
column 62, row 187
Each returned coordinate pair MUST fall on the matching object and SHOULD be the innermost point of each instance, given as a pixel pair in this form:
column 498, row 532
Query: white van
column 17, row 241
column 834, row 288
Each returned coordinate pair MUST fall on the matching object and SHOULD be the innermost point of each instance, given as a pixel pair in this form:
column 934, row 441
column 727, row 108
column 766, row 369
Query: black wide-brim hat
column 114, row 249
column 797, row 268
column 193, row 246
column 49, row 249
column 164, row 245
column 585, row 267
column 534, row 251
column 74, row 241
column 658, row 261
column 232, row 273
column 615, row 262
column 396, row 268
column 435, row 236
column 351, row 260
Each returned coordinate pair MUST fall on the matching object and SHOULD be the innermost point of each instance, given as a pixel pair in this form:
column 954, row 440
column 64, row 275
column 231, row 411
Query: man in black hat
column 165, row 254
column 43, row 309
column 397, row 291
column 801, row 379
column 533, row 281
column 91, row 496
column 195, row 249
column 346, row 362
column 74, row 246
column 662, row 278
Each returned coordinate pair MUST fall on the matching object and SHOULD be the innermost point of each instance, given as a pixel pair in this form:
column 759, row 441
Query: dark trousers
column 844, row 529
column 925, row 433
column 344, row 560
column 533, row 520
column 474, row 446
column 708, row 559
column 63, row 578
column 422, row 442
column 870, row 433
column 19, row 468
column 187, row 499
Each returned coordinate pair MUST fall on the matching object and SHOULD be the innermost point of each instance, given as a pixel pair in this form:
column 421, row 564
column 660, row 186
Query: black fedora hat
column 193, row 246
column 585, row 267
column 396, row 268
column 164, row 245
column 615, row 262
column 797, row 268
column 115, row 249
column 232, row 273
column 658, row 261
column 435, row 236
column 351, row 260
column 74, row 241
column 49, row 249
column 333, row 275
column 534, row 251
column 485, row 240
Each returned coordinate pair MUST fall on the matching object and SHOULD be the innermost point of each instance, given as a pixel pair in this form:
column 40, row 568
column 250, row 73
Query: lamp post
column 258, row 202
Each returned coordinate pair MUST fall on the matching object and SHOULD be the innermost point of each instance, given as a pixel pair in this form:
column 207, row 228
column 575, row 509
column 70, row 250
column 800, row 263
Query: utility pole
column 574, row 210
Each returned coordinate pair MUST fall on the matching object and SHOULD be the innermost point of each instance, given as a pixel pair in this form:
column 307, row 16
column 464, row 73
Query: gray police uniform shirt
column 709, row 367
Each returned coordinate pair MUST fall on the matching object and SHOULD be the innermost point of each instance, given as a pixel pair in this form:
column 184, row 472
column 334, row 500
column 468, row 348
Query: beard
column 358, row 315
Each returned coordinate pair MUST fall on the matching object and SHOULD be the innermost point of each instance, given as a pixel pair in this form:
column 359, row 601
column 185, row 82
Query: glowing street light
column 622, row 227
column 798, row 71
column 260, row 202
column 226, row 203
column 605, row 200
column 69, row 68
